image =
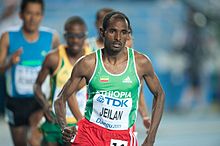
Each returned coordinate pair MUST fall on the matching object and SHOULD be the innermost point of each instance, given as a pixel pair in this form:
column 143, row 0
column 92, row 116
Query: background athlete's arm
column 48, row 67
column 7, row 62
column 146, row 70
column 142, row 108
column 56, row 40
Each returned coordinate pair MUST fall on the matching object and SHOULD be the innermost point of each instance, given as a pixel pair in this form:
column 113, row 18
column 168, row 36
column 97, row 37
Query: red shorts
column 90, row 134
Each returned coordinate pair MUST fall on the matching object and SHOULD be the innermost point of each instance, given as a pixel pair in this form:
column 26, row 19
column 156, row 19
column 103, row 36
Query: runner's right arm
column 68, row 90
column 82, row 69
column 6, row 63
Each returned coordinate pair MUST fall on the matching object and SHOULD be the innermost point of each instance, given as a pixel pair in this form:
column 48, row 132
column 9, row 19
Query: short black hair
column 74, row 20
column 118, row 15
column 103, row 10
column 25, row 2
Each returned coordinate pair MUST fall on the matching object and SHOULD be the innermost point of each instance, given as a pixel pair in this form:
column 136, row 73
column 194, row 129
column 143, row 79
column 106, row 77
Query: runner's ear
column 102, row 32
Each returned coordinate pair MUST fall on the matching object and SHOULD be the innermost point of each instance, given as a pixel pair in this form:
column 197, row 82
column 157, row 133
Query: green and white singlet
column 113, row 98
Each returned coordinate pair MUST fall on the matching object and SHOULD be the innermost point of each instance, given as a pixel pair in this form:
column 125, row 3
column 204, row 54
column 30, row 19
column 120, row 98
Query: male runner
column 58, row 64
column 22, row 51
column 97, row 42
column 113, row 76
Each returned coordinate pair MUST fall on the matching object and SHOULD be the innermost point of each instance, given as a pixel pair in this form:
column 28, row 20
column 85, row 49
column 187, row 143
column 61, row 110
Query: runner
column 97, row 42
column 113, row 76
column 58, row 64
column 22, row 51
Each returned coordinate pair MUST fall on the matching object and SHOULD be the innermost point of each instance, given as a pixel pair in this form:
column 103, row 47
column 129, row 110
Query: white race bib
column 111, row 113
column 25, row 77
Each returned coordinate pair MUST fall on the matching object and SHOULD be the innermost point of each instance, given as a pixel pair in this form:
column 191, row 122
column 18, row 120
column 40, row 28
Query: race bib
column 115, row 142
column 25, row 77
column 111, row 113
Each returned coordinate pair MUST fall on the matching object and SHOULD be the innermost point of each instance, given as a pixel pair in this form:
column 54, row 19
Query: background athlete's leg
column 19, row 135
column 35, row 136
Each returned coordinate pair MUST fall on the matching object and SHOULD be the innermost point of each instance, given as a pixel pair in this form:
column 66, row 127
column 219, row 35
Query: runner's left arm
column 142, row 108
column 146, row 71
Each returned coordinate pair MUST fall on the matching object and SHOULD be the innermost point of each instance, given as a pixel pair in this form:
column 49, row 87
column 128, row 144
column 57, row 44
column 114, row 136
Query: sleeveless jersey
column 113, row 98
column 21, row 77
column 60, row 77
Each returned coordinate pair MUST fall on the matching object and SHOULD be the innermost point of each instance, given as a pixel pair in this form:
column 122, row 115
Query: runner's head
column 31, row 12
column 75, row 34
column 115, row 31
column 100, row 16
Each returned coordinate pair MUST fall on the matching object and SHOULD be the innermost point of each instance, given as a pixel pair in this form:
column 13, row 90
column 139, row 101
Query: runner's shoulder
column 141, row 58
column 88, row 60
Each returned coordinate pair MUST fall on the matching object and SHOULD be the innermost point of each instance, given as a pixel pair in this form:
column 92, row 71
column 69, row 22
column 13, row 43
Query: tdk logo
column 116, row 102
column 100, row 99
column 113, row 102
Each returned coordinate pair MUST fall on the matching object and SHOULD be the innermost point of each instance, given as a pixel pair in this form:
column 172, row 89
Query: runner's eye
column 111, row 31
column 124, row 32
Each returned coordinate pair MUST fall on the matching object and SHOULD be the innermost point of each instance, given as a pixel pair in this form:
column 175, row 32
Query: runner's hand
column 68, row 134
column 15, row 57
column 146, row 122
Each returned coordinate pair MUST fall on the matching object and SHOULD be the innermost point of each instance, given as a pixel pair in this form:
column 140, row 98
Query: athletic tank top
column 113, row 98
column 58, row 80
column 21, row 77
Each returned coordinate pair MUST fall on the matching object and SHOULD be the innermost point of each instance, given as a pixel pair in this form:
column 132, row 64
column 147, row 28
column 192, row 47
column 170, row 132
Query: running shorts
column 90, row 134
column 19, row 110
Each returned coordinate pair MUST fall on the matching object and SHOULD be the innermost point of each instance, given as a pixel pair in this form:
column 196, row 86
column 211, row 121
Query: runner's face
column 116, row 34
column 75, row 37
column 32, row 17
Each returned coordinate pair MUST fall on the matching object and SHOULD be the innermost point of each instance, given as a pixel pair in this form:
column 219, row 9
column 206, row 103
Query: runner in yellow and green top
column 58, row 64
column 59, row 78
